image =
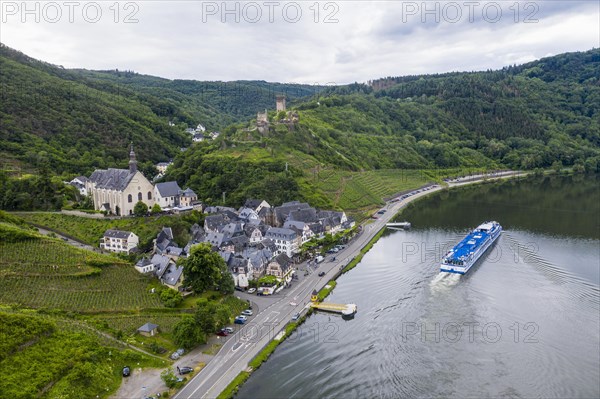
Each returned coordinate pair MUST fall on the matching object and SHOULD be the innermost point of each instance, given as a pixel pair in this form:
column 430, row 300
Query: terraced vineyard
column 41, row 256
column 50, row 274
column 358, row 190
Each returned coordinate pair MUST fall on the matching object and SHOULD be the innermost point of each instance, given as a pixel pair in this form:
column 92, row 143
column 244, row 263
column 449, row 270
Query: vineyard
column 90, row 231
column 357, row 190
column 42, row 256
column 46, row 273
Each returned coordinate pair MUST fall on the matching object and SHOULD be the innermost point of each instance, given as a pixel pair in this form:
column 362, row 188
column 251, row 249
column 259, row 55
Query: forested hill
column 538, row 115
column 78, row 120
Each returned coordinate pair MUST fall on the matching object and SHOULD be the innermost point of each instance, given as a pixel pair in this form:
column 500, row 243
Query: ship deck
column 468, row 245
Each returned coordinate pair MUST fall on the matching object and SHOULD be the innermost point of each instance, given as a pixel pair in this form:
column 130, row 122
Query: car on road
column 321, row 274
column 126, row 371
column 251, row 290
column 184, row 370
column 296, row 316
column 240, row 319
column 247, row 312
column 230, row 330
column 222, row 333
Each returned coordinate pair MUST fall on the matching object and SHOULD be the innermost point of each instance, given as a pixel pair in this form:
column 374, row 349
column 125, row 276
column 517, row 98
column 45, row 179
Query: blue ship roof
column 468, row 245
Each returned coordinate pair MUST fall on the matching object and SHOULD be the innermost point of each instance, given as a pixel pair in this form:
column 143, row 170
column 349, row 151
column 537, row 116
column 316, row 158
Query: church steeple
column 132, row 161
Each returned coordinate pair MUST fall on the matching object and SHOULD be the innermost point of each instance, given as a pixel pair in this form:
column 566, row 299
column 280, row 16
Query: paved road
column 261, row 328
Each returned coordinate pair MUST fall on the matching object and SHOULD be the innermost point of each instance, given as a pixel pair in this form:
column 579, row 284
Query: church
column 118, row 190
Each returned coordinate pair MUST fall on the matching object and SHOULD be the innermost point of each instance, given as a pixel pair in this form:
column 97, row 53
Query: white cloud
column 370, row 40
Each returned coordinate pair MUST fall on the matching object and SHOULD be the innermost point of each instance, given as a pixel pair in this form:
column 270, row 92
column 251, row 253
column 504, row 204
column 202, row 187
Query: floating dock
column 343, row 309
column 402, row 225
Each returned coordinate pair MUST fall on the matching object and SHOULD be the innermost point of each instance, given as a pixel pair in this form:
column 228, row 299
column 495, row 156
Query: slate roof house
column 281, row 267
column 256, row 204
column 164, row 239
column 286, row 240
column 118, row 190
column 119, row 241
column 187, row 197
column 167, row 194
column 144, row 265
column 148, row 329
column 173, row 276
column 79, row 184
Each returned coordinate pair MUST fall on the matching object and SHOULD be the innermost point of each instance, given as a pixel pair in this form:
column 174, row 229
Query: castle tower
column 280, row 102
column 132, row 161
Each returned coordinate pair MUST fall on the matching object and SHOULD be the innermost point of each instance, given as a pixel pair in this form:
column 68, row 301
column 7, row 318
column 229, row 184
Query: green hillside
column 79, row 120
column 538, row 115
column 48, row 357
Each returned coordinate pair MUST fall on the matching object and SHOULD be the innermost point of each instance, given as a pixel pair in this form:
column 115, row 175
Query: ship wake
column 444, row 281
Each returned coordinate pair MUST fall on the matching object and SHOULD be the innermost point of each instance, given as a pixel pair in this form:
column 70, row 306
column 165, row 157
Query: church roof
column 112, row 179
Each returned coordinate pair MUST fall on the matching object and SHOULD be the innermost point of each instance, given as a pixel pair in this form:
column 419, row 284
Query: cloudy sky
column 297, row 41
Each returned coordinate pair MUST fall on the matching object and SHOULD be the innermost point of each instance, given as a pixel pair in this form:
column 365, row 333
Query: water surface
column 523, row 323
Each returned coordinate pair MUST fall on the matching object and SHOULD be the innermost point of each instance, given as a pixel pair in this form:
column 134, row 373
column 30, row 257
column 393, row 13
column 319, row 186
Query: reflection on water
column 522, row 323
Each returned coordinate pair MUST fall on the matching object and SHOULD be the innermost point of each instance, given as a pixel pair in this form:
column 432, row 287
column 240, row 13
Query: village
column 255, row 241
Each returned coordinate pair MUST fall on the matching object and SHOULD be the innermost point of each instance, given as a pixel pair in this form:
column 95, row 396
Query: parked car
column 251, row 290
column 180, row 351
column 222, row 333
column 240, row 319
column 126, row 371
column 174, row 356
column 230, row 330
column 238, row 288
column 247, row 312
column 296, row 316
column 321, row 274
column 184, row 370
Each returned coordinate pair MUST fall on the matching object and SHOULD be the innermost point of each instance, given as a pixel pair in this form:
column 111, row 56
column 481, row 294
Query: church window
column 149, row 195
column 139, row 196
column 129, row 198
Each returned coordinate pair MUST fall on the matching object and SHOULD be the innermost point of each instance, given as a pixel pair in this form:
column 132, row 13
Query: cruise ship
column 464, row 254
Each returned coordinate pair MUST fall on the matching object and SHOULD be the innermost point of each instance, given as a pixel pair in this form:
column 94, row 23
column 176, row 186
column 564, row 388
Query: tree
column 203, row 268
column 140, row 209
column 226, row 283
column 211, row 316
column 187, row 333
column 169, row 378
column 170, row 298
column 156, row 209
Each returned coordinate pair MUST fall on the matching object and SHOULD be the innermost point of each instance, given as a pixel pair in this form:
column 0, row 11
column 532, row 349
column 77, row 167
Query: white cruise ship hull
column 463, row 268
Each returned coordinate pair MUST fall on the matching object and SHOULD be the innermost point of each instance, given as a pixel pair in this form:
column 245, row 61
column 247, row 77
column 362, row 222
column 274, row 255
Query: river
column 524, row 322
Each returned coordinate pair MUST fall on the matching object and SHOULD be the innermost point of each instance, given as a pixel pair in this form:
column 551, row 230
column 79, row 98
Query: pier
column 402, row 225
column 344, row 309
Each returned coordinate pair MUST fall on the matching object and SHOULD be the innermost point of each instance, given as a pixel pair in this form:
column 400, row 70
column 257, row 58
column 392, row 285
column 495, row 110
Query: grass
column 325, row 291
column 57, row 359
column 212, row 350
column 234, row 385
column 90, row 231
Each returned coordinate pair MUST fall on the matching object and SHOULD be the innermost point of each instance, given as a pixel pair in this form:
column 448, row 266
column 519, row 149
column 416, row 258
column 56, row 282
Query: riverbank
column 375, row 231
